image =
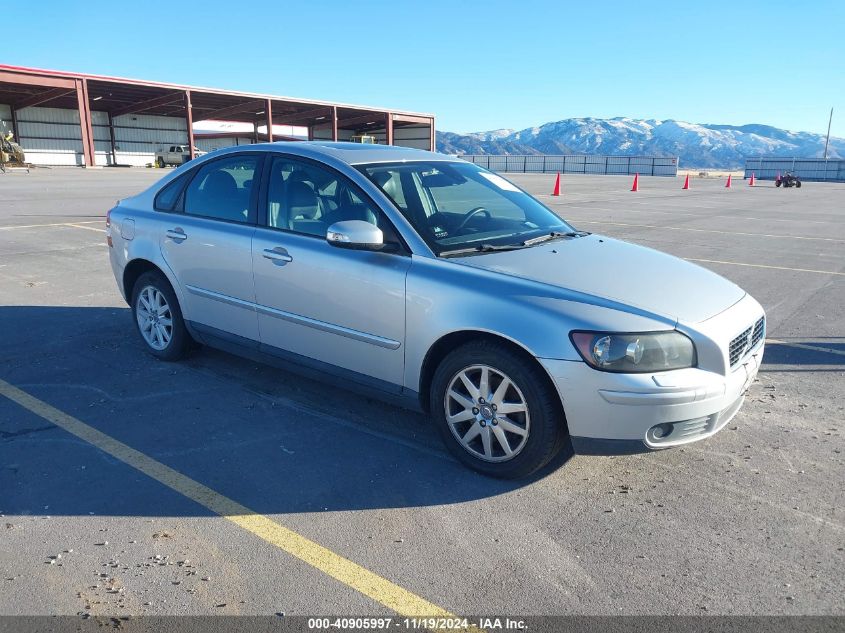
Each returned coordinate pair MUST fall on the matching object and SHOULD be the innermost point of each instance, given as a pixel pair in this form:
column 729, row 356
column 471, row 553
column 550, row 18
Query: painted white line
column 35, row 226
column 683, row 228
column 697, row 215
column 800, row 270
column 89, row 228
column 814, row 348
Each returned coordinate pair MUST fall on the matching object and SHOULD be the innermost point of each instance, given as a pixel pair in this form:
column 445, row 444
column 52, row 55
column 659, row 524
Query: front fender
column 444, row 297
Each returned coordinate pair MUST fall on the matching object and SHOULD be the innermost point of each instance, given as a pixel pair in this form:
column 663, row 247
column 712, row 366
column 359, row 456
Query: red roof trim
column 218, row 91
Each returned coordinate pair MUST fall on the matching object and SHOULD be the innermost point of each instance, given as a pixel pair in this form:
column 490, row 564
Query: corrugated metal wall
column 211, row 144
column 5, row 118
column 138, row 136
column 819, row 169
column 578, row 164
column 50, row 136
column 325, row 134
column 417, row 136
column 102, row 139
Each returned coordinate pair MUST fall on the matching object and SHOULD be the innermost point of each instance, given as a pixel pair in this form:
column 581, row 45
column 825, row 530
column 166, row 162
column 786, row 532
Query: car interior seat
column 220, row 195
column 303, row 208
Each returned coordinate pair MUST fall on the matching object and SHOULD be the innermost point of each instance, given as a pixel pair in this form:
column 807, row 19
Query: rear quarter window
column 168, row 198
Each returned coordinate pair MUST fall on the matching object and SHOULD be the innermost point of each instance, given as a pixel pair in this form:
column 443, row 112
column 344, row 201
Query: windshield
column 456, row 206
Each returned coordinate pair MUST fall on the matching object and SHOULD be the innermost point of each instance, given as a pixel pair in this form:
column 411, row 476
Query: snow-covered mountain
column 697, row 145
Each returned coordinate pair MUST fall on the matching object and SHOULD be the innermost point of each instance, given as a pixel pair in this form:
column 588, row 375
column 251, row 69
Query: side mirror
column 355, row 234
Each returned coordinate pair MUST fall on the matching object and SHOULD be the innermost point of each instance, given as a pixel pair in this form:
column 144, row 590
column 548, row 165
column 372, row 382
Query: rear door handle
column 177, row 235
column 279, row 256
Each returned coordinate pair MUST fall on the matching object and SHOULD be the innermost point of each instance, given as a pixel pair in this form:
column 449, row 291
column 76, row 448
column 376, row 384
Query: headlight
column 635, row 353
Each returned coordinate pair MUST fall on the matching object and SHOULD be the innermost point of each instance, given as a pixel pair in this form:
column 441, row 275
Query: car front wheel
column 159, row 318
column 495, row 410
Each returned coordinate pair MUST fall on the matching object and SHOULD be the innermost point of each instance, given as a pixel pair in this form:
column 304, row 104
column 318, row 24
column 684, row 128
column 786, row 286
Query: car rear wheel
column 158, row 317
column 495, row 410
column 160, row 161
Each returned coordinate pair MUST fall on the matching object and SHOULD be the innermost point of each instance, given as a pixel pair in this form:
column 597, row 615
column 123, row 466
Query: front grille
column 746, row 341
column 759, row 330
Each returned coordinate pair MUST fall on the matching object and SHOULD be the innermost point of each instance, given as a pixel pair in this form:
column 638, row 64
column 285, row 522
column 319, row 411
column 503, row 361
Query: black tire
column 180, row 342
column 777, row 183
column 547, row 428
column 798, row 183
column 160, row 161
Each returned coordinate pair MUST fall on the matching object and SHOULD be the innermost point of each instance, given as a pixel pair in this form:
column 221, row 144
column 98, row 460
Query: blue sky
column 476, row 65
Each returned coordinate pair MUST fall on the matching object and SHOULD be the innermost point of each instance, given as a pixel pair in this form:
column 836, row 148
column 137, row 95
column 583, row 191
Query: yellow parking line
column 814, row 348
column 686, row 228
column 800, row 270
column 351, row 574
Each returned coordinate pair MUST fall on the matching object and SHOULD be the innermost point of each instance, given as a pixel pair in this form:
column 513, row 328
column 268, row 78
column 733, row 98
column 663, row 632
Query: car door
column 319, row 304
column 208, row 245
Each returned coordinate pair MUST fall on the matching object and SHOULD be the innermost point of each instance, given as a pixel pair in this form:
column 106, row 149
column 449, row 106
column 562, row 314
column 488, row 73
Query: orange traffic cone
column 728, row 184
column 686, row 183
column 751, row 182
column 556, row 191
column 636, row 186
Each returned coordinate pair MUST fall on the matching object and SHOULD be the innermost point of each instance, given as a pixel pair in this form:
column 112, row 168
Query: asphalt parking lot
column 748, row 522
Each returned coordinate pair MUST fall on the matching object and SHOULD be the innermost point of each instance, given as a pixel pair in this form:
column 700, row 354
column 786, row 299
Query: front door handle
column 177, row 235
column 278, row 256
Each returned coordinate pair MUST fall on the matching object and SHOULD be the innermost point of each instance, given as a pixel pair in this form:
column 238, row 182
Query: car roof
column 354, row 153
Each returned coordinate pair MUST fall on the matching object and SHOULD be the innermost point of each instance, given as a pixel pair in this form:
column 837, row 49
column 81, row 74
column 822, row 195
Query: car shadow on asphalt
column 778, row 354
column 269, row 439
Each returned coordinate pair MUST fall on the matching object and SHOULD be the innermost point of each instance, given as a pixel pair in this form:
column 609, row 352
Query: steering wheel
column 470, row 215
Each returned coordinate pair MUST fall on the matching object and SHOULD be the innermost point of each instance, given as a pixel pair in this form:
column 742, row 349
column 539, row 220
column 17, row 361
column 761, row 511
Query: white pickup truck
column 175, row 155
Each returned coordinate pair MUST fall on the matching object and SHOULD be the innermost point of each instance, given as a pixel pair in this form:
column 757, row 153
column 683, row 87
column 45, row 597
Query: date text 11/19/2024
column 417, row 623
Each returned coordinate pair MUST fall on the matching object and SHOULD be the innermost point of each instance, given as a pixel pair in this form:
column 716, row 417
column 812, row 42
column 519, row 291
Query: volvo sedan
column 434, row 283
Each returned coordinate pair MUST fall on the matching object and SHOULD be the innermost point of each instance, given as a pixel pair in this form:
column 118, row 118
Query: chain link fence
column 578, row 164
column 831, row 170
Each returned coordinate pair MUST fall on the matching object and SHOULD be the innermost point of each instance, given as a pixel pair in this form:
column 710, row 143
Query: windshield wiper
column 554, row 235
column 483, row 248
column 488, row 248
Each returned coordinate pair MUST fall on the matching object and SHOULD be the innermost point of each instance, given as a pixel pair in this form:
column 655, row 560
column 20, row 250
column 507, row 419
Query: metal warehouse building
column 64, row 118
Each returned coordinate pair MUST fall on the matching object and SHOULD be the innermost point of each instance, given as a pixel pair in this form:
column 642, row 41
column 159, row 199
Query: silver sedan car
column 431, row 282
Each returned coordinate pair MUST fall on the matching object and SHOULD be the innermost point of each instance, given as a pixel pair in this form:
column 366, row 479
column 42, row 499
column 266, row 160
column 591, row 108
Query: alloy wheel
column 487, row 413
column 155, row 320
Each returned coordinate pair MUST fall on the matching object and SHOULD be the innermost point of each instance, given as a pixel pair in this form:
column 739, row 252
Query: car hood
column 625, row 273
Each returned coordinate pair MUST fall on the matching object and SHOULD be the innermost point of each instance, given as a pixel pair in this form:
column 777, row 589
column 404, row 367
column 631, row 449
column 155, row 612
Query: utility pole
column 827, row 142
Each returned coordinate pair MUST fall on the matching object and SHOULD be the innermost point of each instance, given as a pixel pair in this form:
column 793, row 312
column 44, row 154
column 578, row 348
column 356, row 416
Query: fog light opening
column 659, row 432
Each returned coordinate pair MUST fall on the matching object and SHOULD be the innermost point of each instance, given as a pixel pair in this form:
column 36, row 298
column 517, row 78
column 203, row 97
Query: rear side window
column 168, row 198
column 223, row 189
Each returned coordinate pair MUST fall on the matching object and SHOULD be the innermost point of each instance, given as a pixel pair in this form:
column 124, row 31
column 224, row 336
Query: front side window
column 305, row 198
column 222, row 189
column 459, row 205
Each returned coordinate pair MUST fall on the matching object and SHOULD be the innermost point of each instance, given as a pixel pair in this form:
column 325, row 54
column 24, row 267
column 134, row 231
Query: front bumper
column 625, row 413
